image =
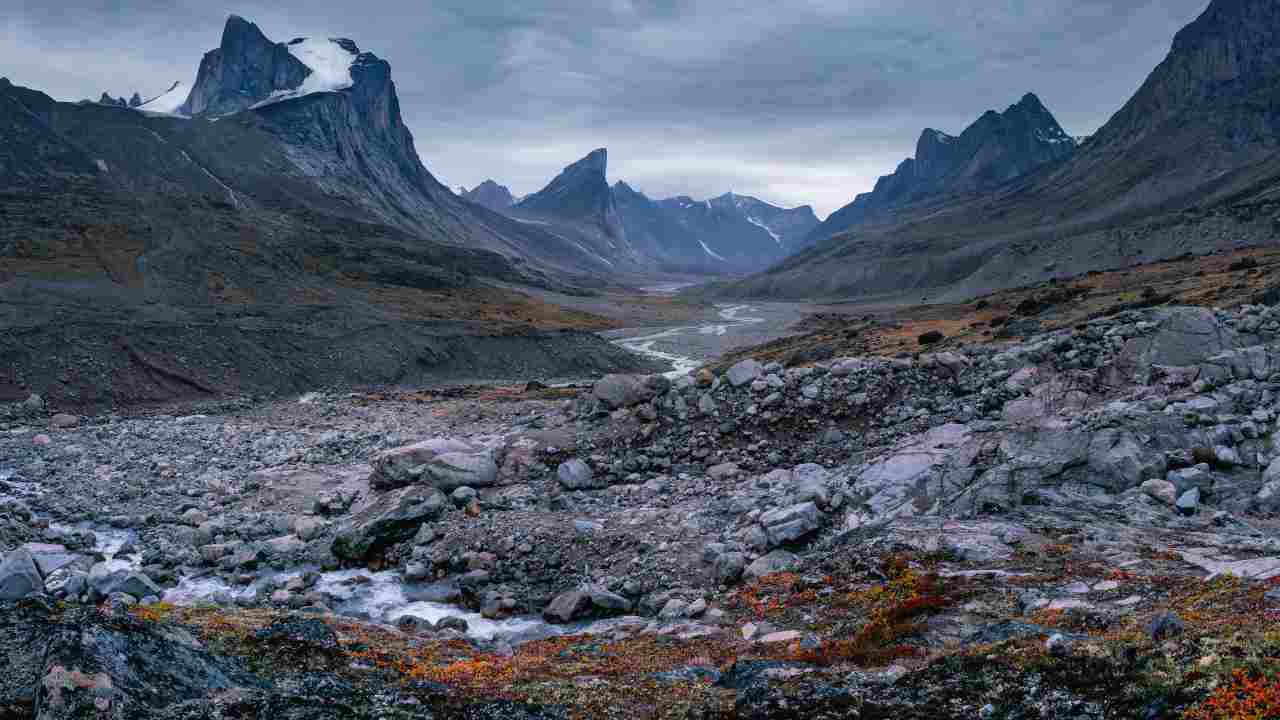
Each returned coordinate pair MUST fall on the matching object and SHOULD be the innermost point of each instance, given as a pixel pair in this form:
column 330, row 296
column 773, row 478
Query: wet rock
column 104, row 583
column 453, row 622
column 63, row 420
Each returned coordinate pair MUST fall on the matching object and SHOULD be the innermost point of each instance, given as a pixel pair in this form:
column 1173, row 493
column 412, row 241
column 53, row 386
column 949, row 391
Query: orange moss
column 1246, row 697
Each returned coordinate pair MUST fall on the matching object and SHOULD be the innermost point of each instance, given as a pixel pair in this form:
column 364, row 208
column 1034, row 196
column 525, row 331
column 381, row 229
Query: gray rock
column 393, row 518
column 1189, row 502
column 745, row 372
column 775, row 562
column 1161, row 490
column 453, row 622
column 792, row 523
column 19, row 576
column 567, row 607
column 452, row 470
column 105, row 583
column 729, row 567
column 463, row 496
column 574, row 474
column 620, row 391
column 405, row 465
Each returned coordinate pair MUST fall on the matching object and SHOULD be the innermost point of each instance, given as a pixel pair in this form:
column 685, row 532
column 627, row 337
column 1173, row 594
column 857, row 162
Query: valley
column 291, row 429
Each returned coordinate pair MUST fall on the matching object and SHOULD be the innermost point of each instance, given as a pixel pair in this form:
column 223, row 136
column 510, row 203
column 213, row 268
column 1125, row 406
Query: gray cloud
column 800, row 101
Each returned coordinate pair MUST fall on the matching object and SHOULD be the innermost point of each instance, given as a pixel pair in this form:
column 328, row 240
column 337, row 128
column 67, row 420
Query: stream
column 688, row 347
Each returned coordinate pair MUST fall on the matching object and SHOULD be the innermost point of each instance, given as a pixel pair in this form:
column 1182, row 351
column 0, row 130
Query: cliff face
column 244, row 70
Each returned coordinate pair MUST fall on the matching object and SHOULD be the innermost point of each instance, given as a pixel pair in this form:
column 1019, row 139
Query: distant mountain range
column 727, row 234
column 274, row 140
column 1190, row 164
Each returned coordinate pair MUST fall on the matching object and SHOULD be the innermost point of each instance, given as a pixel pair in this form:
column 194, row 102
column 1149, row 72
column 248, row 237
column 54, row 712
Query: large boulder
column 790, row 524
column 405, row 465
column 585, row 603
column 19, row 576
column 773, row 563
column 624, row 391
column 453, row 470
column 1120, row 460
column 575, row 474
column 104, row 581
column 745, row 372
column 393, row 518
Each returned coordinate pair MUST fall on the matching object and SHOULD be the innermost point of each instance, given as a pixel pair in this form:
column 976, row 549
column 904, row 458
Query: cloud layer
column 801, row 101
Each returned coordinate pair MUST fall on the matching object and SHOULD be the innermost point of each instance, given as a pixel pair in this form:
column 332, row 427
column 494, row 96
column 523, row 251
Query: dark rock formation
column 491, row 195
column 245, row 69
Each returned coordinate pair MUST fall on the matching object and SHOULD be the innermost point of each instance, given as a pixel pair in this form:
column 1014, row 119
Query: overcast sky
column 794, row 101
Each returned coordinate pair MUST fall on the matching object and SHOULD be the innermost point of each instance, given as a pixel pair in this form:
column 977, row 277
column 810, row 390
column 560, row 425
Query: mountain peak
column 596, row 160
column 491, row 195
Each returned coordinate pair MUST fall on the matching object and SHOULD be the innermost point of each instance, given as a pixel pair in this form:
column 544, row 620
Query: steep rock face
column 578, row 208
column 1189, row 164
column 995, row 149
column 491, row 195
column 244, row 70
column 580, row 192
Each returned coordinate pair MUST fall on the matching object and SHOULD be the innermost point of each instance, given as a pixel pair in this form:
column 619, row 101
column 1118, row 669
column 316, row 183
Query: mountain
column 261, row 236
column 736, row 233
column 491, row 195
column 1189, row 164
column 996, row 148
column 578, row 207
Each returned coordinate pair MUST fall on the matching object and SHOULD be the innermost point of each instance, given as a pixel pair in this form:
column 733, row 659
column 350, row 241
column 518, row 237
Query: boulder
column 773, row 563
column 104, row 582
column 791, row 523
column 619, row 391
column 567, row 607
column 1161, row 490
column 575, row 474
column 393, row 518
column 745, row 372
column 19, row 576
column 404, row 465
column 453, row 470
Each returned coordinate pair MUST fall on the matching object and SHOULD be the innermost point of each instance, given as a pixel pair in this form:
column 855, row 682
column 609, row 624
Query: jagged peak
column 597, row 160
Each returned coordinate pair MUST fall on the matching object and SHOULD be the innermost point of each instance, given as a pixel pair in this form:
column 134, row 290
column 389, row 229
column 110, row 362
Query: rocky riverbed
column 1079, row 524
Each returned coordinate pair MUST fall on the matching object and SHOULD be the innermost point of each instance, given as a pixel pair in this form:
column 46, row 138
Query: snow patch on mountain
column 330, row 64
column 169, row 102
column 711, row 252
column 766, row 228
